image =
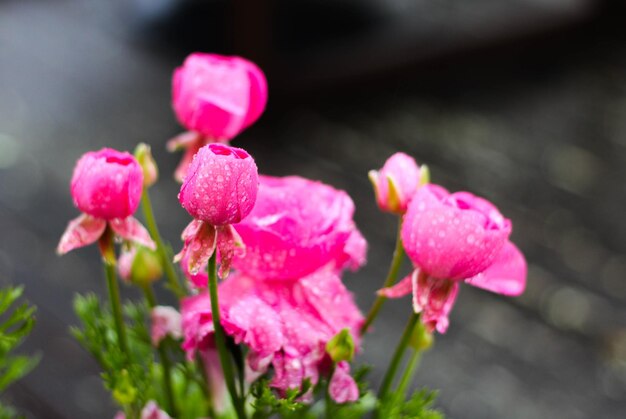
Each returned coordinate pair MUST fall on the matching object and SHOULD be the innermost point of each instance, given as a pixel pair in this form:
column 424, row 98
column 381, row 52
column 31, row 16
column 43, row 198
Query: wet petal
column 130, row 228
column 400, row 289
column 81, row 231
column 506, row 276
column 200, row 243
column 342, row 387
column 229, row 245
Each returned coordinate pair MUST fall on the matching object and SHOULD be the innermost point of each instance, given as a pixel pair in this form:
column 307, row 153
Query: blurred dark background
column 521, row 101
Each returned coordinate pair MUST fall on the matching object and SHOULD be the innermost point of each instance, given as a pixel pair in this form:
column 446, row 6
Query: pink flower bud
column 453, row 236
column 107, row 184
column 396, row 183
column 165, row 321
column 218, row 96
column 221, row 185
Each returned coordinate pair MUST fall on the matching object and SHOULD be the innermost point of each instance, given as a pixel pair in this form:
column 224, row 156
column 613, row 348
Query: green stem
column 220, row 340
column 166, row 259
column 409, row 370
column 397, row 356
column 165, row 361
column 116, row 308
column 392, row 276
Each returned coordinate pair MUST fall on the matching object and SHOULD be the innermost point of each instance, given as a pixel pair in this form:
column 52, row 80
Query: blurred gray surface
column 543, row 136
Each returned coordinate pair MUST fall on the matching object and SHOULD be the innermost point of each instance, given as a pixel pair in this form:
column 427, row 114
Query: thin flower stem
column 166, row 259
column 165, row 361
column 409, row 370
column 392, row 276
column 116, row 308
column 397, row 356
column 220, row 340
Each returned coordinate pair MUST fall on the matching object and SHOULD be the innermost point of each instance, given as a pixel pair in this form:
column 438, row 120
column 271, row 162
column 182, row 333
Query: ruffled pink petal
column 354, row 254
column 81, row 231
column 332, row 302
column 506, row 276
column 200, row 243
column 434, row 298
column 290, row 372
column 252, row 321
column 130, row 228
column 342, row 387
column 197, row 321
column 229, row 245
column 296, row 227
column 400, row 289
column 165, row 321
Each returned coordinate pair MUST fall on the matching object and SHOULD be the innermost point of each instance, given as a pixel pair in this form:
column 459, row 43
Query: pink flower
column 106, row 186
column 218, row 96
column 396, row 183
column 286, row 324
column 221, row 186
column 166, row 321
column 452, row 238
column 296, row 227
column 215, row 98
column 220, row 189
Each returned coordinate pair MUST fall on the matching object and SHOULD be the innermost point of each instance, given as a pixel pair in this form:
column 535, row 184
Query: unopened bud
column 421, row 339
column 341, row 346
column 140, row 265
column 143, row 154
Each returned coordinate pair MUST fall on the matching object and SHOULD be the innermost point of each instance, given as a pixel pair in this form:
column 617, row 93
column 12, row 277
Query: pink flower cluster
column 286, row 300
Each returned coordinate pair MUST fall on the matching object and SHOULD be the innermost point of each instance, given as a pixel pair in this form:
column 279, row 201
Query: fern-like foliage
column 418, row 406
column 16, row 322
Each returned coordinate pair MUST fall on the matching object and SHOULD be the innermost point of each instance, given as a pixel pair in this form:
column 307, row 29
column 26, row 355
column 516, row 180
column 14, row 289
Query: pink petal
column 229, row 245
column 252, row 321
column 81, row 231
column 507, row 275
column 130, row 228
column 398, row 290
column 342, row 387
column 200, row 243
column 434, row 298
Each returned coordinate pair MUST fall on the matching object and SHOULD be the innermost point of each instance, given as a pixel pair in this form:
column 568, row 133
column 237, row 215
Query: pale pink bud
column 221, row 185
column 218, row 96
column 151, row 411
column 396, row 183
column 107, row 184
column 342, row 387
column 166, row 321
